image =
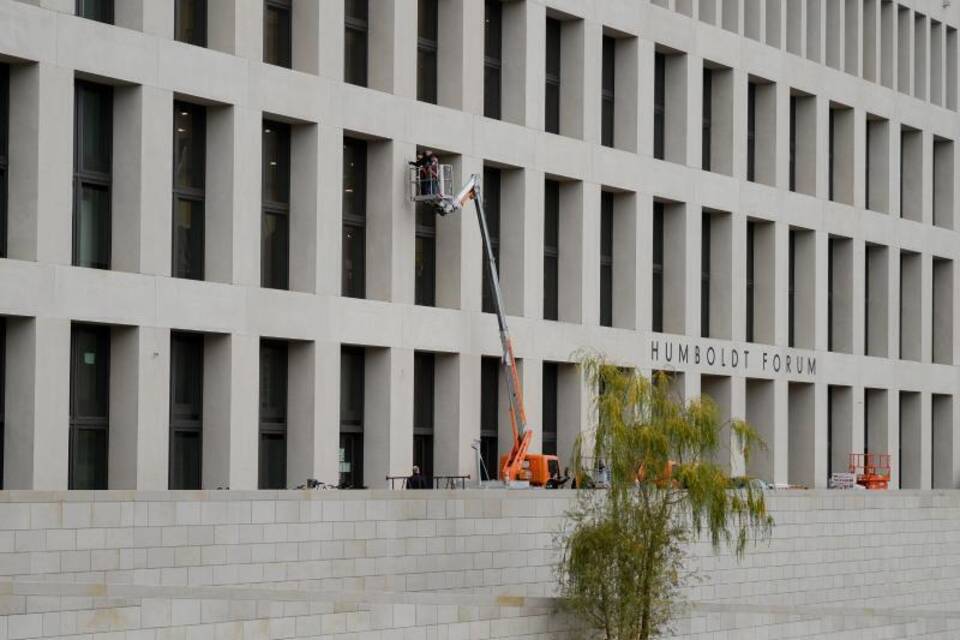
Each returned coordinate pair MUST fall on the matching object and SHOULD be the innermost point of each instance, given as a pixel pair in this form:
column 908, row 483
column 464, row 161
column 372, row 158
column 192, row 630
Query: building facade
column 213, row 274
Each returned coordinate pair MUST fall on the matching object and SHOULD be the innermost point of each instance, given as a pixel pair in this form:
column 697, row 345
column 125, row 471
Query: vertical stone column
column 627, row 97
column 858, row 295
column 822, row 319
column 305, row 205
column 231, row 375
column 521, row 242
column 247, row 196
column 643, row 270
column 460, row 55
column 36, row 434
column 780, row 445
column 391, row 224
column 576, row 413
column 739, row 124
column 387, row 414
column 139, row 408
column 393, row 47
column 40, row 212
column 318, row 38
column 645, row 66
column 153, row 18
column 222, row 18
column 313, row 414
column 626, row 260
column 578, row 255
column 457, row 418
column 589, row 48
column 220, row 204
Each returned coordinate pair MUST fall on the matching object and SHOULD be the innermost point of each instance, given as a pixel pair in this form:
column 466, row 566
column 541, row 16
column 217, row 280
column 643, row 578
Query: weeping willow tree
column 622, row 565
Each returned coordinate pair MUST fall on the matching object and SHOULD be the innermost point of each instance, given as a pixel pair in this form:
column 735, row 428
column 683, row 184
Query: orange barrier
column 871, row 469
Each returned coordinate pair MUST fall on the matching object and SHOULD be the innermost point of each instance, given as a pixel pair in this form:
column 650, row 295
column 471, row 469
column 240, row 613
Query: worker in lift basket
column 417, row 480
column 428, row 173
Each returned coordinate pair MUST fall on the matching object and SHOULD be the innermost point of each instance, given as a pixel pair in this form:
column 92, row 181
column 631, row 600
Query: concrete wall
column 470, row 563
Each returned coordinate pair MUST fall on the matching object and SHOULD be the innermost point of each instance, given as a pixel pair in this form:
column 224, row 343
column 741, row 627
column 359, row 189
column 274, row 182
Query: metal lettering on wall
column 755, row 358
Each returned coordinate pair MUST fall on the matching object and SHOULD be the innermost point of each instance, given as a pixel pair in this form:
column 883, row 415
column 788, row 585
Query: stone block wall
column 470, row 564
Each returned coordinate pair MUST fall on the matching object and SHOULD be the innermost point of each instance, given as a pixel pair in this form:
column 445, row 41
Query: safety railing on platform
column 435, row 482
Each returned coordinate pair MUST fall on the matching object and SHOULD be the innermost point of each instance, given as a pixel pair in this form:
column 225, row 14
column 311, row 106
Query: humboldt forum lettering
column 746, row 360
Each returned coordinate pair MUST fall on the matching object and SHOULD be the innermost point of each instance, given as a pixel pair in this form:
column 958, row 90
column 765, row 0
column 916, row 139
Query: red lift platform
column 872, row 470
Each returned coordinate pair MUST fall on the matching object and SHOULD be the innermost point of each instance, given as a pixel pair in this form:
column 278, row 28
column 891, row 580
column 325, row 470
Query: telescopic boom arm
column 513, row 462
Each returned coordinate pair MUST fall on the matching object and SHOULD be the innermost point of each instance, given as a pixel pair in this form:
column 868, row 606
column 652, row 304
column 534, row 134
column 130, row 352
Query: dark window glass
column 4, row 157
column 89, row 406
column 793, row 142
column 552, row 89
column 99, row 10
column 186, row 410
column 491, row 209
column 423, row 382
column 492, row 58
column 551, row 249
column 489, row 416
column 656, row 305
column 705, row 242
column 792, row 289
column 659, row 104
column 751, row 130
column 351, row 417
column 606, row 259
column 425, row 258
column 277, row 35
column 275, row 234
column 427, row 34
column 707, row 118
column 357, row 28
column 751, row 231
column 190, row 22
column 3, row 383
column 273, row 414
column 189, row 169
column 550, row 408
column 354, row 218
column 93, row 172
column 607, row 91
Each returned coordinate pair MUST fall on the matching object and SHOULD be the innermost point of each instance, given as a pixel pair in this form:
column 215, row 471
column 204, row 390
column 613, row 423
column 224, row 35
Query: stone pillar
column 387, row 414
column 247, row 197
column 579, row 253
column 139, row 408
column 457, row 417
column 313, row 412
column 305, row 205
column 231, row 392
column 40, row 214
column 318, row 38
column 393, row 46
column 37, row 404
column 627, row 259
column 760, row 410
column 390, row 224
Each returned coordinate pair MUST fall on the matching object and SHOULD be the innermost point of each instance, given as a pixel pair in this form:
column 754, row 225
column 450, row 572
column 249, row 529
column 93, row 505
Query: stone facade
column 471, row 564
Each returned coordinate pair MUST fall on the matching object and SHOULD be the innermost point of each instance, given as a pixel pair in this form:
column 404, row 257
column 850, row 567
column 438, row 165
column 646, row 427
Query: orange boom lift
column 519, row 466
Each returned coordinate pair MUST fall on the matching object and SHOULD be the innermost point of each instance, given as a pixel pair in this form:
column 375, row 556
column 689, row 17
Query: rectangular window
column 751, row 131
column 89, row 406
column 606, row 259
column 491, row 209
column 705, row 240
column 351, row 417
column 659, row 104
column 552, row 88
column 3, row 382
column 793, row 142
column 550, row 408
column 792, row 289
column 190, row 22
column 277, row 33
column 93, row 174
column 607, row 91
column 4, row 156
column 551, row 249
column 423, row 382
column 99, row 10
column 357, row 29
column 751, row 234
column 189, row 177
column 656, row 305
column 705, row 149
column 427, row 44
column 186, row 410
column 425, row 258
column 492, row 58
column 275, row 233
column 273, row 414
column 489, row 417
column 353, row 279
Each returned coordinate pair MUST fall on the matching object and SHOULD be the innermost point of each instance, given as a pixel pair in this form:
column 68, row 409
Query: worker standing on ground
column 417, row 480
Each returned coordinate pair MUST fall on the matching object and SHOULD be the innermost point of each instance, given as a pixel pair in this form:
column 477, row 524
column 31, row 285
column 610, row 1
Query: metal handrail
column 437, row 482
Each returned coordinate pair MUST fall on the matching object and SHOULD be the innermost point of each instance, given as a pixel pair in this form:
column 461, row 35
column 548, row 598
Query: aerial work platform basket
column 871, row 469
column 431, row 183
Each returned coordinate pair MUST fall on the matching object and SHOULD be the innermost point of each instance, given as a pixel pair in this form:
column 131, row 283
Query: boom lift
column 519, row 466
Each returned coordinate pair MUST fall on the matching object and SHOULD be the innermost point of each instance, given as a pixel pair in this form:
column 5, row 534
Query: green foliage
column 622, row 564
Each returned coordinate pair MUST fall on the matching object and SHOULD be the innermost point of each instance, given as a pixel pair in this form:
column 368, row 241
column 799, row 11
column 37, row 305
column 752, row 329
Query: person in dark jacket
column 417, row 480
